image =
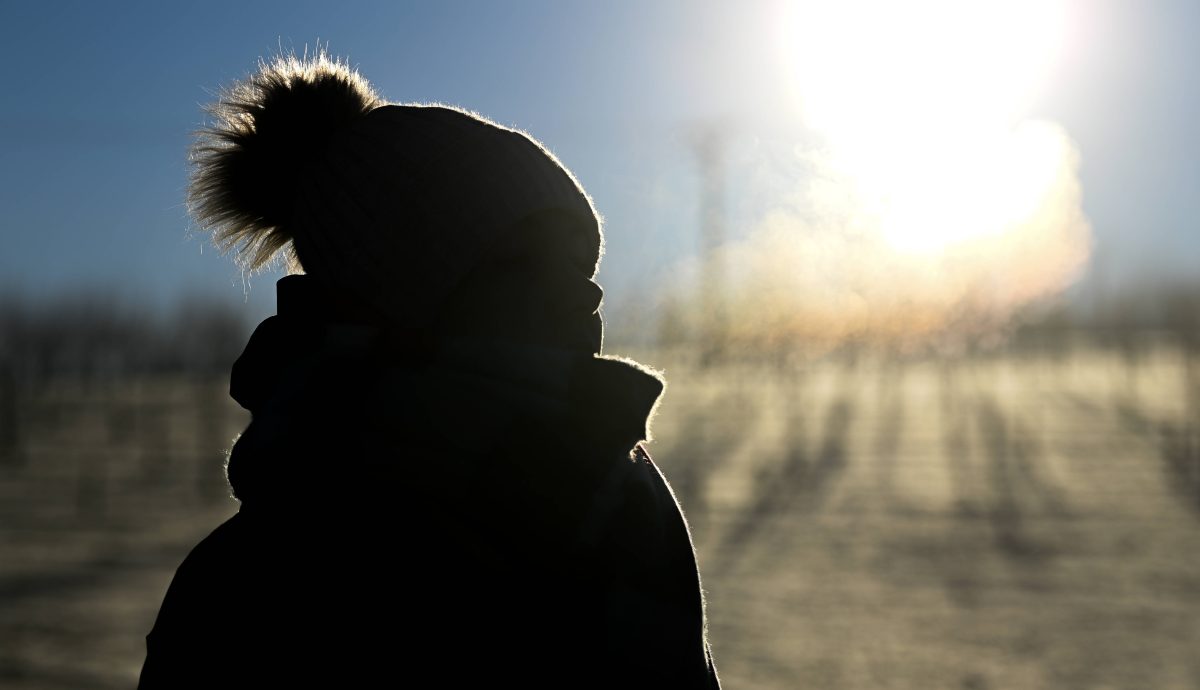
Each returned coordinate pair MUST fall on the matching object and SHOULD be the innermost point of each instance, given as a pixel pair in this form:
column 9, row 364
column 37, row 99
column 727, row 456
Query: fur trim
column 270, row 128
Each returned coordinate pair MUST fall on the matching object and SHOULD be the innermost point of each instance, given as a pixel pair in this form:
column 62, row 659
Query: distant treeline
column 100, row 337
column 1121, row 320
column 1126, row 320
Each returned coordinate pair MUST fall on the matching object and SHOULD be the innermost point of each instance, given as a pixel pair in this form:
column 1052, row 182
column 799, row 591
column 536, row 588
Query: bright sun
column 921, row 105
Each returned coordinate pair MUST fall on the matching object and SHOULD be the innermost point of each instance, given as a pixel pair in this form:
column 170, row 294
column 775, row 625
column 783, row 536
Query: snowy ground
column 990, row 523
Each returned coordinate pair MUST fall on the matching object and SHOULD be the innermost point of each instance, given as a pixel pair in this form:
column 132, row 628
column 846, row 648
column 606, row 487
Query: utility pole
column 708, row 147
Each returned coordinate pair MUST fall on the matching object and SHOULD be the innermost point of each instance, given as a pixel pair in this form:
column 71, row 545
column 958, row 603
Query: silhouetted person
column 442, row 483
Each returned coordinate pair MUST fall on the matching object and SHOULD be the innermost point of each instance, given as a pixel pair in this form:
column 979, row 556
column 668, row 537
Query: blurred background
column 922, row 277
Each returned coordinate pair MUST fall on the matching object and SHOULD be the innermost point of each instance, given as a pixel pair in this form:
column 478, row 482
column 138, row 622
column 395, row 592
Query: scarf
column 325, row 386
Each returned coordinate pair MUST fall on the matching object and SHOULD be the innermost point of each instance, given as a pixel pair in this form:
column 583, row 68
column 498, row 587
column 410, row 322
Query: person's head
column 430, row 217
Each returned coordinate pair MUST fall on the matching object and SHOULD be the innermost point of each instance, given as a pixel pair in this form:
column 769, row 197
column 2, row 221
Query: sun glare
column 921, row 105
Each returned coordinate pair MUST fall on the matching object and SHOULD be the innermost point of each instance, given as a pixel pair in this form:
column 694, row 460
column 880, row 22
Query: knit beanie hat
column 390, row 205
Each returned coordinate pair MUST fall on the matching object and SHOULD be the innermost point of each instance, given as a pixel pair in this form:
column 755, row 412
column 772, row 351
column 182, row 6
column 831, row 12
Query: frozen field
column 989, row 523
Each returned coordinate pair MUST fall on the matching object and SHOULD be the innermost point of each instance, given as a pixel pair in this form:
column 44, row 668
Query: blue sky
column 101, row 98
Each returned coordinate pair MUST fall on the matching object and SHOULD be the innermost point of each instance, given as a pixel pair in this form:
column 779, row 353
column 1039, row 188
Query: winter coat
column 451, row 515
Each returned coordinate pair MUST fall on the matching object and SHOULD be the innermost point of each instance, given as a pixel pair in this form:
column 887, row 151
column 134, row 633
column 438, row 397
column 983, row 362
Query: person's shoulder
column 217, row 549
column 200, row 580
column 647, row 487
column 633, row 507
column 654, row 603
column 195, row 610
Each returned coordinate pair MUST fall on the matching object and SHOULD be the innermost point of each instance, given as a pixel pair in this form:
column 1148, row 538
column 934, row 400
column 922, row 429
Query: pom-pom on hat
column 391, row 205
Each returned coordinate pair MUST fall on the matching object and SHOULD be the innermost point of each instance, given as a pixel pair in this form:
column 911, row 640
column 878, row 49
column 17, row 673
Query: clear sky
column 101, row 98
